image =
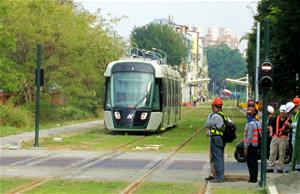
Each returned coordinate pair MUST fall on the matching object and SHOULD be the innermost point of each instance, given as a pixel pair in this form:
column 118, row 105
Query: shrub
column 72, row 113
column 50, row 112
column 14, row 116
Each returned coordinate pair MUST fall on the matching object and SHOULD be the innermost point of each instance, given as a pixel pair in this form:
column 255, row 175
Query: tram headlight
column 117, row 115
column 144, row 115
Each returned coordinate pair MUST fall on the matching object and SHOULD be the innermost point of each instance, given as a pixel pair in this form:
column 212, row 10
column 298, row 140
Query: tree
column 284, row 43
column 163, row 37
column 224, row 62
column 77, row 46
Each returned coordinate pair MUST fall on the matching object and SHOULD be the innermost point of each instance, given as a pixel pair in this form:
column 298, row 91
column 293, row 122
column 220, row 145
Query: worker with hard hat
column 270, row 110
column 215, row 125
column 252, row 134
column 280, row 129
column 294, row 116
column 270, row 114
column 290, row 107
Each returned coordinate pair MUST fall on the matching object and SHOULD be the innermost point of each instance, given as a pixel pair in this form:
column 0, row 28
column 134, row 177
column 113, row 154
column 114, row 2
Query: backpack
column 229, row 133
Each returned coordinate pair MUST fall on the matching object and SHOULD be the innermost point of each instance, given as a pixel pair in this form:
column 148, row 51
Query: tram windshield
column 132, row 90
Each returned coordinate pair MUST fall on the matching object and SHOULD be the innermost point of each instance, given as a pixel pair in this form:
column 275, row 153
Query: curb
column 271, row 189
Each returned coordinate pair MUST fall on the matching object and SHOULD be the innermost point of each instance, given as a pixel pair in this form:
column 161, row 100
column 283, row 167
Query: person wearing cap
column 295, row 115
column 216, row 126
column 280, row 128
column 252, row 134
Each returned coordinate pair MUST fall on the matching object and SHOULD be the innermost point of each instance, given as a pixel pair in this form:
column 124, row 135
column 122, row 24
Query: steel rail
column 108, row 155
column 134, row 185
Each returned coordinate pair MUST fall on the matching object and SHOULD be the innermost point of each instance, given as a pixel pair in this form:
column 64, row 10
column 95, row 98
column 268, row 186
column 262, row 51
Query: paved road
column 99, row 166
column 14, row 141
column 129, row 166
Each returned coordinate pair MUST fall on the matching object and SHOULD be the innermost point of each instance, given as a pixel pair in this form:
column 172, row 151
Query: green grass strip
column 238, row 191
column 8, row 185
column 168, row 188
column 78, row 187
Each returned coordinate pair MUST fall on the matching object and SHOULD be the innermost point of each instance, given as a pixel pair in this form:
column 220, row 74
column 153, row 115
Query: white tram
column 141, row 95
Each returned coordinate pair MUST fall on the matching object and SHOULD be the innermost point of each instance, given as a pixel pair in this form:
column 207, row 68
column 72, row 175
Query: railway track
column 135, row 184
column 112, row 153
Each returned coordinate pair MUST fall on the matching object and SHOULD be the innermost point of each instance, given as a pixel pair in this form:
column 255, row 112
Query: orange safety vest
column 255, row 134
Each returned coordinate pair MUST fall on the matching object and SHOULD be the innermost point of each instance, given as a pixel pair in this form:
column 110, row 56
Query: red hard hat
column 217, row 101
column 296, row 101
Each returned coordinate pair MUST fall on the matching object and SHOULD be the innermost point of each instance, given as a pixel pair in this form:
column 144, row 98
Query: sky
column 199, row 13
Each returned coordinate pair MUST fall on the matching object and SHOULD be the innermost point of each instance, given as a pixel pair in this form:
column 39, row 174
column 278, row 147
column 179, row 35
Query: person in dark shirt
column 279, row 130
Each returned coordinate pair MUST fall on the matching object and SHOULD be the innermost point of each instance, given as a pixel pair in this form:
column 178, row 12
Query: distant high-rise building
column 217, row 36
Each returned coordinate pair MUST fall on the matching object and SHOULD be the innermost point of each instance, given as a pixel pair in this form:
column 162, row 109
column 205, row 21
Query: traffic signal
column 266, row 75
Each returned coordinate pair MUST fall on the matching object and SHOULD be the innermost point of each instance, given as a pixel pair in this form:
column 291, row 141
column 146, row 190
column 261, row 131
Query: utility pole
column 38, row 83
column 257, row 53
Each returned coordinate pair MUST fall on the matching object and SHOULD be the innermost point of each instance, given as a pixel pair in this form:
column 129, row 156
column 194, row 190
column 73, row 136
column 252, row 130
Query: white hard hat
column 282, row 108
column 289, row 106
column 270, row 109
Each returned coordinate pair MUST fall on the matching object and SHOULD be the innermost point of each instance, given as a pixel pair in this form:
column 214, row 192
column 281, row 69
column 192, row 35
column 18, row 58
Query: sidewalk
column 288, row 183
column 14, row 141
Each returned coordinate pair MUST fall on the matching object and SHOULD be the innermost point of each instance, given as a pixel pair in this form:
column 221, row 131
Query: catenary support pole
column 37, row 93
column 257, row 61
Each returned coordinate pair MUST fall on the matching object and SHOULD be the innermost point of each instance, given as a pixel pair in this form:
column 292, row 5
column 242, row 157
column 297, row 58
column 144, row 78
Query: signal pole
column 266, row 84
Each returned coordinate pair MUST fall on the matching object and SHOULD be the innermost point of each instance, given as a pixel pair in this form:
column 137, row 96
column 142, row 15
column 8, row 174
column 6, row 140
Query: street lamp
column 166, row 56
column 257, row 54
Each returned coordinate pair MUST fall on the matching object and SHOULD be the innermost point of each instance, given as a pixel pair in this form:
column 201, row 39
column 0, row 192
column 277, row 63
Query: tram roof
column 160, row 70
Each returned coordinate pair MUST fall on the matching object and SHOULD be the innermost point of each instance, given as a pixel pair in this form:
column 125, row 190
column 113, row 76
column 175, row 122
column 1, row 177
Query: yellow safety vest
column 218, row 131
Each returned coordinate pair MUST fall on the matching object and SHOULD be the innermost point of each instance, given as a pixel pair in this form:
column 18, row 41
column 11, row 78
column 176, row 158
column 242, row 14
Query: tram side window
column 107, row 94
column 156, row 96
column 169, row 92
column 172, row 93
column 165, row 92
column 179, row 92
column 176, row 93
